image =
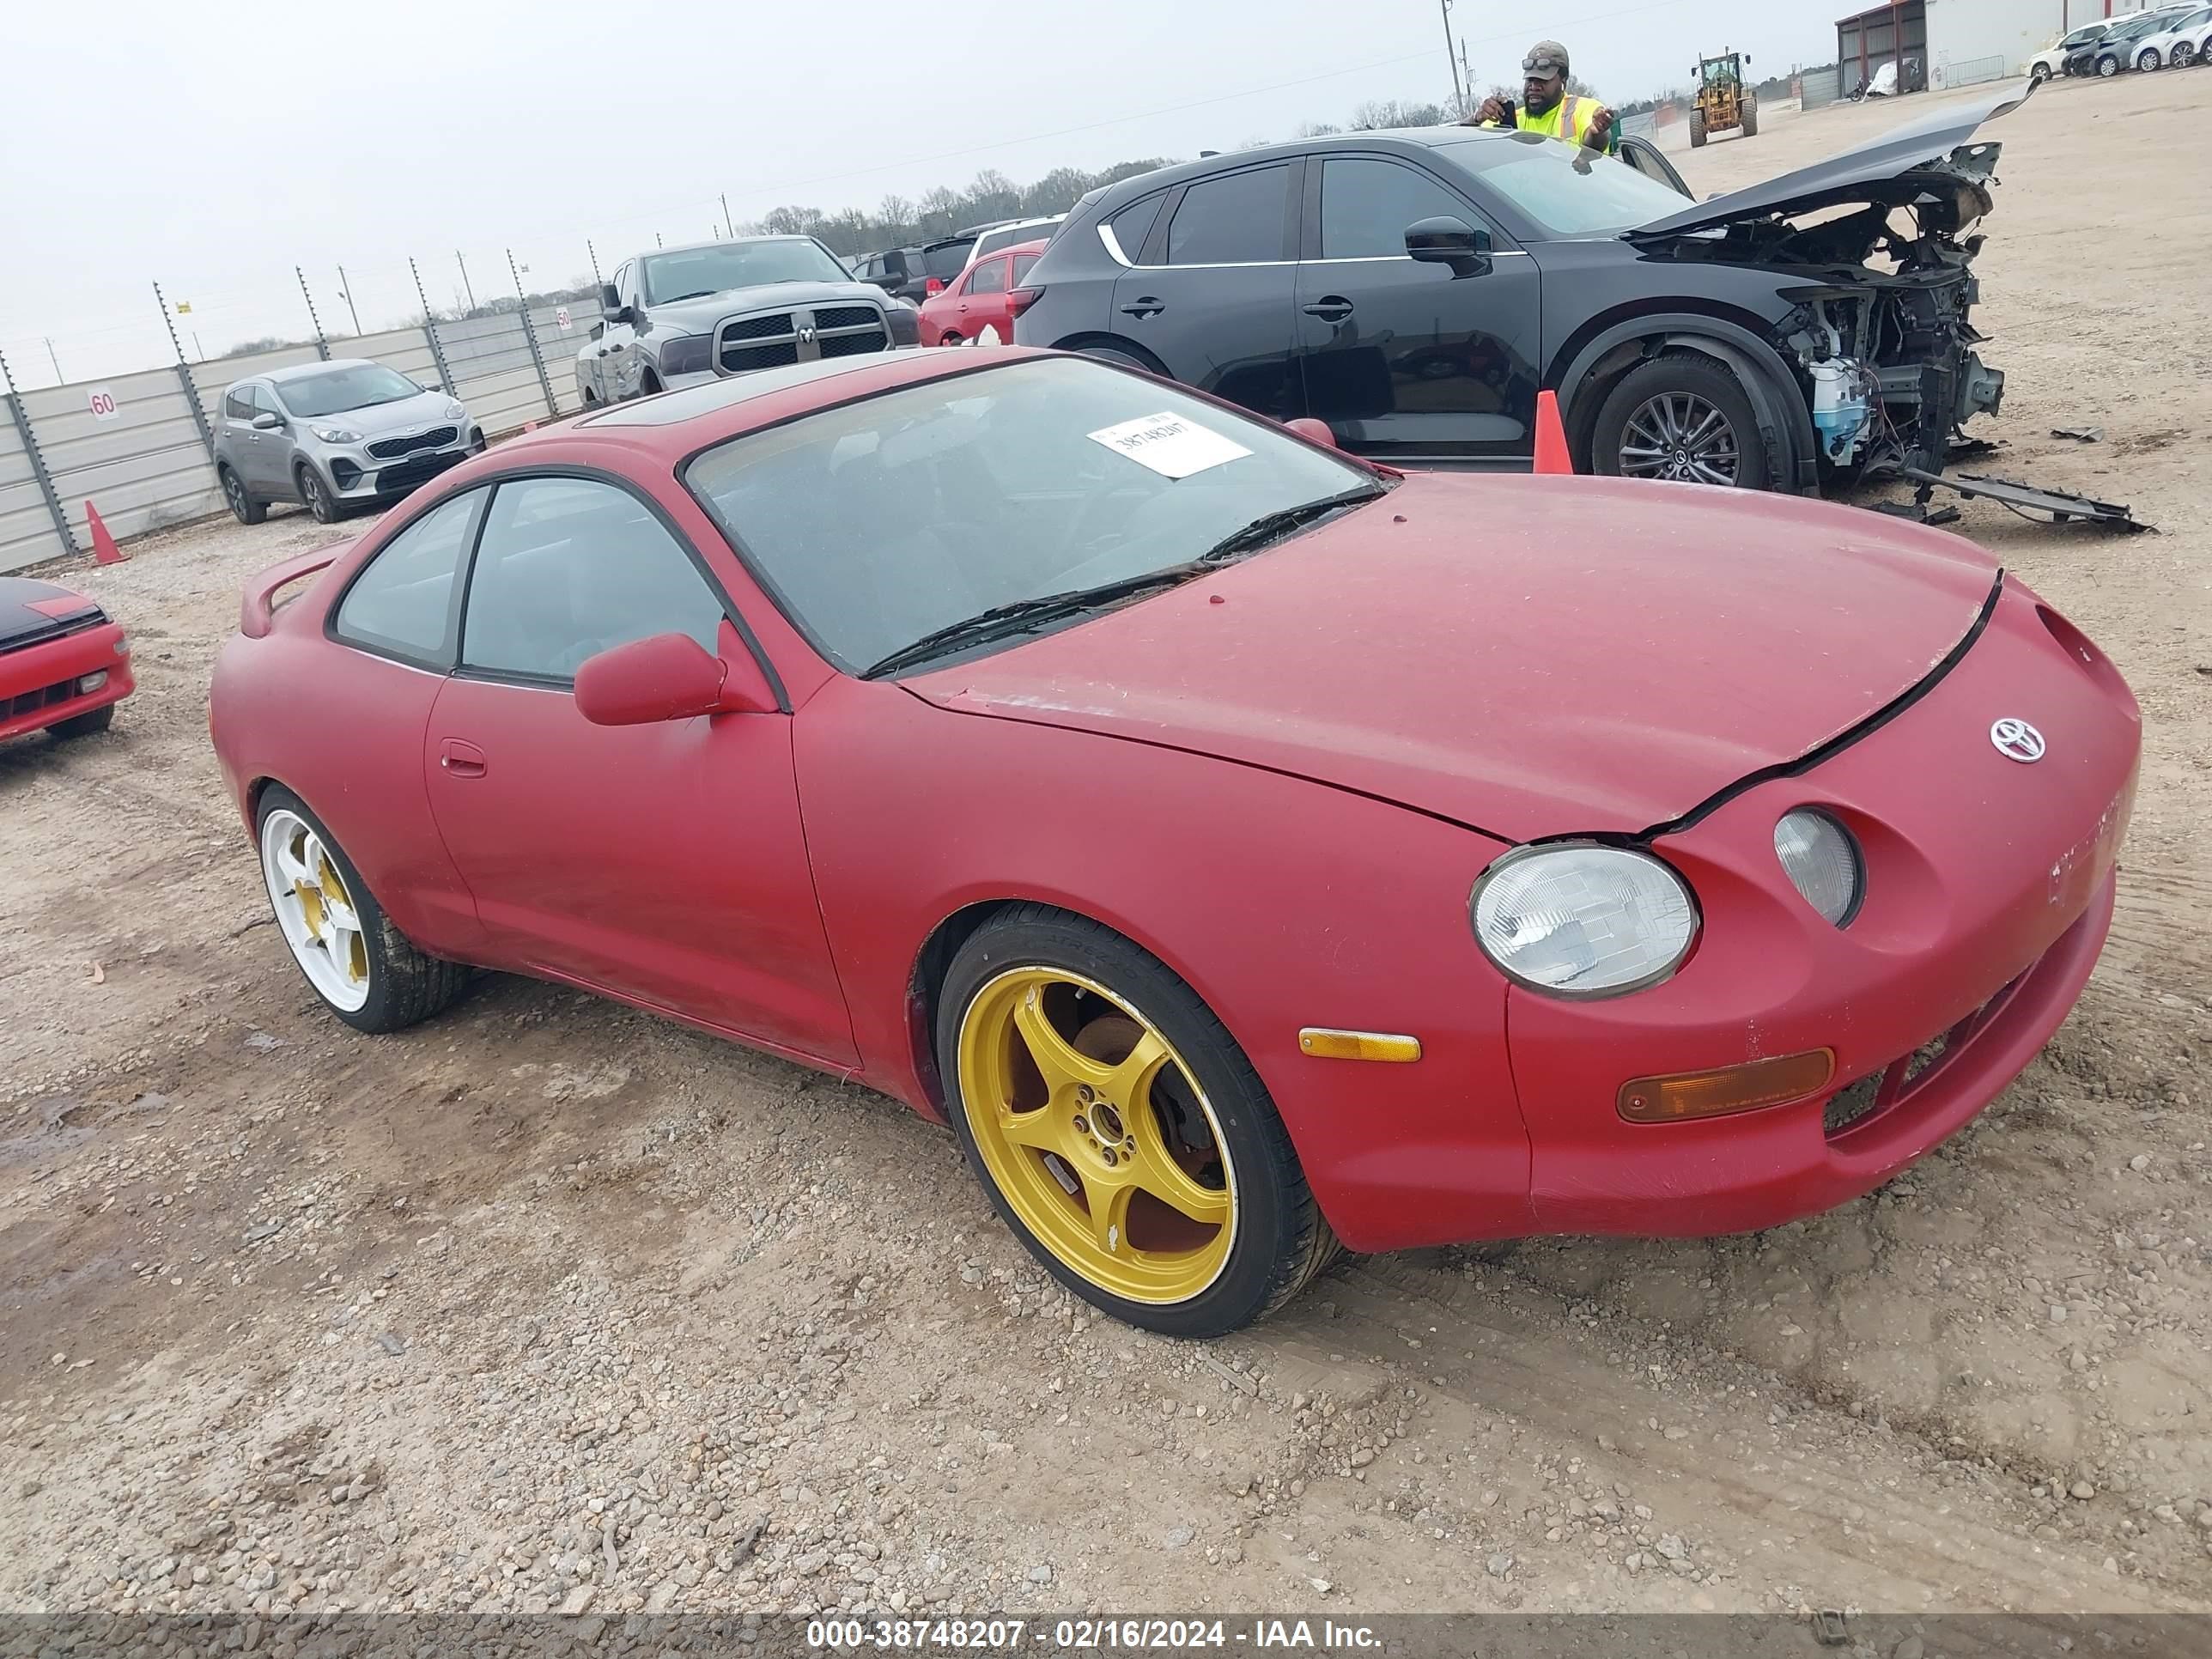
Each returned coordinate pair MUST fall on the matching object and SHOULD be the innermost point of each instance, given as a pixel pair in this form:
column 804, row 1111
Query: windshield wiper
column 703, row 293
column 1273, row 526
column 1021, row 616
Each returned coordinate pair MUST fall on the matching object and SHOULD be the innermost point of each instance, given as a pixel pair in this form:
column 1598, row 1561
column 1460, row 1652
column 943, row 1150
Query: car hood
column 426, row 409
column 32, row 610
column 1921, row 158
column 1527, row 656
column 701, row 315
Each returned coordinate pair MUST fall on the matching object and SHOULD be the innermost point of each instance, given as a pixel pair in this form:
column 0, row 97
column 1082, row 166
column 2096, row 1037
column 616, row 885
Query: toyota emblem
column 2017, row 740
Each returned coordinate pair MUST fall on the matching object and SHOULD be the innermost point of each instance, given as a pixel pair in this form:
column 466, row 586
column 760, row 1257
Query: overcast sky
column 214, row 146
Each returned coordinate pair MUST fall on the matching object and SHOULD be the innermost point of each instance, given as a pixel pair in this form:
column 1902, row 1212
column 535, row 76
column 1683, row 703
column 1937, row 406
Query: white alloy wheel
column 315, row 910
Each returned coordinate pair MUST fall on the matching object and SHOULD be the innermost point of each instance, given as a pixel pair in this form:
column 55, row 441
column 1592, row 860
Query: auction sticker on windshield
column 1171, row 446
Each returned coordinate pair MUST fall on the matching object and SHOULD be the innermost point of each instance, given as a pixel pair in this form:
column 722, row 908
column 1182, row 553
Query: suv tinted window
column 1366, row 205
column 264, row 401
column 1237, row 220
column 1133, row 223
column 990, row 277
column 567, row 568
column 238, row 403
column 405, row 599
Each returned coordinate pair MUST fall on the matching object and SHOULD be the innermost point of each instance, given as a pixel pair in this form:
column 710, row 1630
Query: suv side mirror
column 265, row 421
column 1445, row 241
column 666, row 677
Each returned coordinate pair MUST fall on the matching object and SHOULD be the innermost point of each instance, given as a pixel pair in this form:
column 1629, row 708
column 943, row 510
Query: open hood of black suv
column 1921, row 158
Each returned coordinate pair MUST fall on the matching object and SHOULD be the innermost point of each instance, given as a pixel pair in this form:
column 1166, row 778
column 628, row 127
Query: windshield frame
column 645, row 263
column 1356, row 468
column 283, row 388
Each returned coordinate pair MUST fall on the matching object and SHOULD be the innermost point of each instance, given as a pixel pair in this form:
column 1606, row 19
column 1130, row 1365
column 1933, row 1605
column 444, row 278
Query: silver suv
column 334, row 435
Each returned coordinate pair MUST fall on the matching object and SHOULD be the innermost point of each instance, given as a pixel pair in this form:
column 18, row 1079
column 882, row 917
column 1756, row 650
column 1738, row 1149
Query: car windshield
column 891, row 518
column 948, row 261
column 1562, row 189
column 693, row 272
column 355, row 386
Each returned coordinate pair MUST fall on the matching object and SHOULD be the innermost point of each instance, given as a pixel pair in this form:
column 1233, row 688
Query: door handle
column 1145, row 306
column 462, row 760
column 1330, row 307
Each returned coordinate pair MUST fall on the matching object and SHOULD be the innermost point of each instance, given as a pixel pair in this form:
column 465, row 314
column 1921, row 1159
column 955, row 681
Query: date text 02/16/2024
column 1080, row 1637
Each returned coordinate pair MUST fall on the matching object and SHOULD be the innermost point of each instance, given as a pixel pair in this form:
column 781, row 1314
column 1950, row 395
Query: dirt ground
column 548, row 1304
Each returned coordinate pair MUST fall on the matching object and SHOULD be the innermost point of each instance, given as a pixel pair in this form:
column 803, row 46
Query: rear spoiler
column 256, row 609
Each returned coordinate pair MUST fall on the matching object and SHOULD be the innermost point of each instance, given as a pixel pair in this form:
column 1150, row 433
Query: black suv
column 1415, row 290
column 906, row 273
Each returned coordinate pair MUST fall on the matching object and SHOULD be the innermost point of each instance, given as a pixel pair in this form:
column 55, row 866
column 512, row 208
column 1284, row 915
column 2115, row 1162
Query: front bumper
column 38, row 684
column 355, row 475
column 1989, row 892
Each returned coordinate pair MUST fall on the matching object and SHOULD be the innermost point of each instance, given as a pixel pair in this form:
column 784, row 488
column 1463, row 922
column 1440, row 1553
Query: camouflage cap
column 1545, row 58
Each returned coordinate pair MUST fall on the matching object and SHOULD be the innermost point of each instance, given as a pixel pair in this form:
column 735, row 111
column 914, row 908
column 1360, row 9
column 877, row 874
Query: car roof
column 1112, row 197
column 304, row 371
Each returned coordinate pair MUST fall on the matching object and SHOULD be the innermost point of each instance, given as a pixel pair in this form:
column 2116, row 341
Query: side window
column 623, row 291
column 568, row 567
column 1232, row 221
column 1366, row 204
column 1133, row 223
column 265, row 402
column 989, row 278
column 1022, row 264
column 405, row 601
column 238, row 403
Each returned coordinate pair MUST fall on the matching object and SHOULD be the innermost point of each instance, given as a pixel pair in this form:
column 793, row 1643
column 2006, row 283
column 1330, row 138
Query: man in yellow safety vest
column 1546, row 105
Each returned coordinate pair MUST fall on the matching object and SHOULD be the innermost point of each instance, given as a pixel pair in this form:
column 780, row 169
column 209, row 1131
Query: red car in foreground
column 63, row 665
column 978, row 307
column 1243, row 848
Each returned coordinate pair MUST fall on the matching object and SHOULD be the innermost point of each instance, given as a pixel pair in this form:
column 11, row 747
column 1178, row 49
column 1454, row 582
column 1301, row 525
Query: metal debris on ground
column 1828, row 1629
column 2081, row 434
column 2026, row 500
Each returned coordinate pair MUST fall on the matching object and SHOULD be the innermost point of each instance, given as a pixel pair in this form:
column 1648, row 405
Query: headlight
column 456, row 412
column 1822, row 862
column 1583, row 920
column 335, row 434
column 687, row 356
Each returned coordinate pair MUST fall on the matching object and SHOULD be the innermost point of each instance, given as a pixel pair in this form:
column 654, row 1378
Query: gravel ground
column 548, row 1304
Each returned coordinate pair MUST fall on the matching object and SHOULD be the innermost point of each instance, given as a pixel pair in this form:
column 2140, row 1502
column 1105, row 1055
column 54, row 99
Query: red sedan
column 63, row 665
column 980, row 307
column 1242, row 847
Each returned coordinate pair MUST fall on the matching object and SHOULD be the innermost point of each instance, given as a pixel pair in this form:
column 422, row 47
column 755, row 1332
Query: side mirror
column 1313, row 431
column 1444, row 241
column 666, row 677
column 265, row 421
column 610, row 302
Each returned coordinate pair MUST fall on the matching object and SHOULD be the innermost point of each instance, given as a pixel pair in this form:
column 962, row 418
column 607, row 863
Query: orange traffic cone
column 1551, row 454
column 104, row 549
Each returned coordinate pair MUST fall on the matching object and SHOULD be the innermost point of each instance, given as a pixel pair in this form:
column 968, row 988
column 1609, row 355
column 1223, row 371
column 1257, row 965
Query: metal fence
column 140, row 447
column 1971, row 73
column 1820, row 87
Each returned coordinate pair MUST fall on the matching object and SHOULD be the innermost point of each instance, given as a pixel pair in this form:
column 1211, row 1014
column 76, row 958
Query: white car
column 2052, row 60
column 2179, row 44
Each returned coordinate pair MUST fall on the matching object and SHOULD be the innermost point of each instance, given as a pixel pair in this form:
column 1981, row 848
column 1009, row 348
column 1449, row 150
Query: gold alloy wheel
column 1097, row 1135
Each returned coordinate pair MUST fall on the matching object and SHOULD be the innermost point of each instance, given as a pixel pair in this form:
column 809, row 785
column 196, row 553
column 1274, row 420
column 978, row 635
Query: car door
column 269, row 453
column 662, row 862
column 1644, row 157
column 985, row 317
column 618, row 352
column 1406, row 359
column 239, row 441
column 1210, row 293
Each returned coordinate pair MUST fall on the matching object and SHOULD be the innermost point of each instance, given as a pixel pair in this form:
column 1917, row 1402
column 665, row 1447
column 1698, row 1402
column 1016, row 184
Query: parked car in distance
column 1484, row 962
column 64, row 664
column 683, row 316
column 2116, row 50
column 2052, row 60
column 980, row 307
column 332, row 436
column 915, row 273
column 2178, row 45
column 1416, row 290
column 1014, row 231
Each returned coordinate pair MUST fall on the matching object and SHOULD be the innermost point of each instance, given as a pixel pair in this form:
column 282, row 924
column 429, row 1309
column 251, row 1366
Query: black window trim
column 449, row 646
column 486, row 488
column 1154, row 254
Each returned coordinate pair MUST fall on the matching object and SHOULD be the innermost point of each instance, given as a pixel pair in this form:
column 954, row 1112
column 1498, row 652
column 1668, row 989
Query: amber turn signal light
column 1730, row 1089
column 1325, row 1044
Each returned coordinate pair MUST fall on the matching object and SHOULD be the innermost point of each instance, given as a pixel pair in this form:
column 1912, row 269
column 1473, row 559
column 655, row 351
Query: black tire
column 1750, row 118
column 1281, row 1241
column 2107, row 68
column 1696, row 130
column 316, row 496
column 406, row 984
column 243, row 506
column 1126, row 357
column 85, row 725
column 1683, row 374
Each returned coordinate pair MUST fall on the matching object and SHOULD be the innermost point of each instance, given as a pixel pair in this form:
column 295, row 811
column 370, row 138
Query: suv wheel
column 243, row 506
column 317, row 494
column 2107, row 68
column 1682, row 418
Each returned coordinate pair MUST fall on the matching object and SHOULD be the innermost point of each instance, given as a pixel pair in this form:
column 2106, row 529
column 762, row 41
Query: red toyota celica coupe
column 1242, row 848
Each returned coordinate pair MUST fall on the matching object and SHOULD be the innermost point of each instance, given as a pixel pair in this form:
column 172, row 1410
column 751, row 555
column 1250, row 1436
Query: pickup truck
column 681, row 316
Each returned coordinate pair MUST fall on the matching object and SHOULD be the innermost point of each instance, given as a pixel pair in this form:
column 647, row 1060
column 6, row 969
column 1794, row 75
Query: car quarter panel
column 1283, row 903
column 1978, row 867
